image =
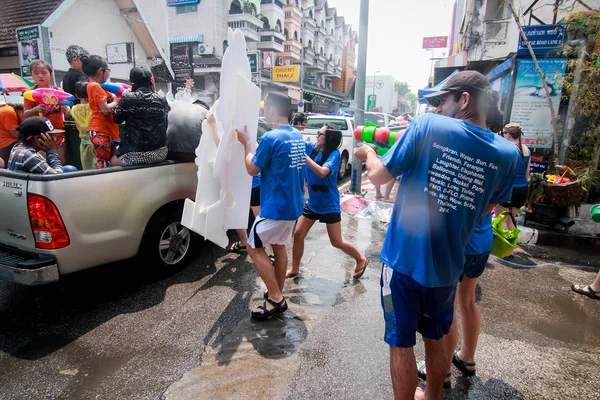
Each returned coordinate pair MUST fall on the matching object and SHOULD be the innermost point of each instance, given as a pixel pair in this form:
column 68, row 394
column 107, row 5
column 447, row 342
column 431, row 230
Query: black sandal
column 422, row 375
column 238, row 248
column 272, row 258
column 279, row 308
column 462, row 365
column 586, row 291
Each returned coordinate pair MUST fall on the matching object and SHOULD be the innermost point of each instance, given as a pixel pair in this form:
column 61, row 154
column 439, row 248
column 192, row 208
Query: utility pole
column 361, row 76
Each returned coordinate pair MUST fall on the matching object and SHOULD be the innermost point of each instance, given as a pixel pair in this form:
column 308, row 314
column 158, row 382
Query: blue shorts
column 409, row 307
column 474, row 265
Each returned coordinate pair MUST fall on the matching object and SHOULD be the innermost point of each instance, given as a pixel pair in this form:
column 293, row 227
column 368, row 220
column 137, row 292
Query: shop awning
column 458, row 60
column 187, row 39
column 319, row 94
column 423, row 92
column 500, row 70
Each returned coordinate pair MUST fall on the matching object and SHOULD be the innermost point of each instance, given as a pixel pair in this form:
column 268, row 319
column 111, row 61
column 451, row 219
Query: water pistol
column 49, row 98
column 116, row 88
column 382, row 138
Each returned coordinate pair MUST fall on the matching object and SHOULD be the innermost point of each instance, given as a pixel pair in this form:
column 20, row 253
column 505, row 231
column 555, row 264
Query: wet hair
column 333, row 139
column 43, row 63
column 77, row 52
column 494, row 117
column 91, row 64
column 281, row 102
column 81, row 90
column 516, row 132
column 298, row 118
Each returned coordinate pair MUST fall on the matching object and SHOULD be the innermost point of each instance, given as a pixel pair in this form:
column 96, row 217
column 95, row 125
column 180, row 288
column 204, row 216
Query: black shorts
column 330, row 218
column 518, row 198
column 255, row 197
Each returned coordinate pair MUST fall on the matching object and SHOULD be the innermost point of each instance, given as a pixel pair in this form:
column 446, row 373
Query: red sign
column 436, row 42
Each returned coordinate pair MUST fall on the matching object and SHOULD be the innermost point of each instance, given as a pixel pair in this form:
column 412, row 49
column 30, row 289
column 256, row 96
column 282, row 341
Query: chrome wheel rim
column 174, row 243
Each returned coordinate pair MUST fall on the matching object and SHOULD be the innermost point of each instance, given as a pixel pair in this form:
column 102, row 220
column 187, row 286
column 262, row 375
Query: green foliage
column 404, row 91
column 249, row 7
column 585, row 146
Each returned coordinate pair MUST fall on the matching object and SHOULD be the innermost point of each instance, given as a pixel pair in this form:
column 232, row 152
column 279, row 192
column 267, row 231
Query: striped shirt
column 26, row 159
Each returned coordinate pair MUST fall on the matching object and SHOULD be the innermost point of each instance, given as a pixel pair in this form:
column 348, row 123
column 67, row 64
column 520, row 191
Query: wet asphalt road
column 116, row 333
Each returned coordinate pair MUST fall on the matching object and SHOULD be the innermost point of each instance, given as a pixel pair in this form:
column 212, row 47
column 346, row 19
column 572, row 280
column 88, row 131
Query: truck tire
column 167, row 245
column 343, row 170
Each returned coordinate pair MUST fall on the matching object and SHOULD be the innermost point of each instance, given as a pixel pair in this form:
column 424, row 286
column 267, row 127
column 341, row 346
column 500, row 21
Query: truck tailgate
column 15, row 228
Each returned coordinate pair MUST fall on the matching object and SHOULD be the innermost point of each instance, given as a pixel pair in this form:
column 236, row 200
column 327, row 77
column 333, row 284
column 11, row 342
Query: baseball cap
column 464, row 81
column 35, row 126
column 140, row 76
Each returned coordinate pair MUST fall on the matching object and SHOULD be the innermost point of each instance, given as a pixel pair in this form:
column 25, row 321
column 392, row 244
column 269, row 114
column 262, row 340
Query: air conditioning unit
column 205, row 49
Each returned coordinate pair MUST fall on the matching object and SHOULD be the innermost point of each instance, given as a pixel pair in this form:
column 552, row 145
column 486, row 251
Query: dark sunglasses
column 320, row 134
column 319, row 188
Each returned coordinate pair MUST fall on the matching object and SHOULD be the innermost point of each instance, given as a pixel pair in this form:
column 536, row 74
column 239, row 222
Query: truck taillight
column 48, row 228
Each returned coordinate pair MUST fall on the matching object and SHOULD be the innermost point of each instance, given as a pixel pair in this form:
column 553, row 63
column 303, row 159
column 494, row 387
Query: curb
column 347, row 185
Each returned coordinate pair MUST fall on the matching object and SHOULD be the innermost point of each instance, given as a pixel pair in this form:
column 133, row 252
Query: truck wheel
column 343, row 166
column 167, row 245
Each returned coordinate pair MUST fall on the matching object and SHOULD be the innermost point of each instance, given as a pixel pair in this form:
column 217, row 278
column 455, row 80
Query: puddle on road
column 570, row 323
column 257, row 359
column 315, row 292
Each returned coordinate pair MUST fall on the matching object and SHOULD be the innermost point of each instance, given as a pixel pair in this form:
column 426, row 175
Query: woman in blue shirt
column 323, row 161
column 513, row 133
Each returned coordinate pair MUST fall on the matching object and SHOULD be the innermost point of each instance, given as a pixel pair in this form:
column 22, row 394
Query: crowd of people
column 453, row 170
column 97, row 114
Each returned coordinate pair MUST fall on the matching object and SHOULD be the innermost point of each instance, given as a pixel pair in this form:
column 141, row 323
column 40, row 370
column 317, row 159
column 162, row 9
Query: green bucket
column 596, row 213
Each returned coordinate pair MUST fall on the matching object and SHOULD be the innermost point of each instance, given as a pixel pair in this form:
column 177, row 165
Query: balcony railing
column 247, row 23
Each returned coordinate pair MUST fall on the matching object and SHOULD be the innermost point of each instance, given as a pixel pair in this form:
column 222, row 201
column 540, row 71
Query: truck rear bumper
column 27, row 269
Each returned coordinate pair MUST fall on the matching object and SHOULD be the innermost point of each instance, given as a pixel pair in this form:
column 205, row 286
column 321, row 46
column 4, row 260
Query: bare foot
column 419, row 394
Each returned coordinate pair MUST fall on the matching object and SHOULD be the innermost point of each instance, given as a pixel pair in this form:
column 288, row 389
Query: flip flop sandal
column 358, row 274
column 423, row 375
column 462, row 365
column 294, row 275
column 279, row 308
column 272, row 258
column 588, row 291
column 238, row 248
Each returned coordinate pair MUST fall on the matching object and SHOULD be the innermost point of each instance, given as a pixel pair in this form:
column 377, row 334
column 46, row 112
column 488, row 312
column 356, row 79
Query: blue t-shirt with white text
column 323, row 193
column 281, row 158
column 451, row 171
column 483, row 237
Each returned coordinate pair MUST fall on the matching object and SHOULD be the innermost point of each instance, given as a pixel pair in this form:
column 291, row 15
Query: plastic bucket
column 596, row 213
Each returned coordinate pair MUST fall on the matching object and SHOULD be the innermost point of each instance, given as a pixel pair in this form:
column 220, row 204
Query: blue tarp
column 436, row 88
column 500, row 70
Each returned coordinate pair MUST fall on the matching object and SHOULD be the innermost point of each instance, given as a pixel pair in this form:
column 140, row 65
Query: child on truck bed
column 103, row 131
column 82, row 114
column 35, row 134
column 42, row 74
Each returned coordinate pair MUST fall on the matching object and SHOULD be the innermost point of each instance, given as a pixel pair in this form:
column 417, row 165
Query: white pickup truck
column 51, row 225
column 344, row 124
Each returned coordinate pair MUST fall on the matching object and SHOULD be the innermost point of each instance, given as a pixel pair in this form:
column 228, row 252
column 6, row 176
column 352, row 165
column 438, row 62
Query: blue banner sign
column 172, row 3
column 538, row 167
column 544, row 39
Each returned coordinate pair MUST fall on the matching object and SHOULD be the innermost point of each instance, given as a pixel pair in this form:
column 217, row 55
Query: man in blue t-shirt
column 280, row 160
column 453, row 171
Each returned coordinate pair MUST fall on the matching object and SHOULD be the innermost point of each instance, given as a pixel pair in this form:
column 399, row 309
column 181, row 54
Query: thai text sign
column 286, row 73
column 435, row 42
column 544, row 39
column 530, row 107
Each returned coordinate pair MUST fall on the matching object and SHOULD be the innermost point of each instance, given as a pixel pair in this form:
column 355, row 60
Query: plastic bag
column 504, row 241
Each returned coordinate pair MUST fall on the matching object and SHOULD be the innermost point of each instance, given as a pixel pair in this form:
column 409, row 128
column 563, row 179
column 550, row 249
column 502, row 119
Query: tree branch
column 542, row 75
